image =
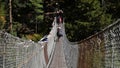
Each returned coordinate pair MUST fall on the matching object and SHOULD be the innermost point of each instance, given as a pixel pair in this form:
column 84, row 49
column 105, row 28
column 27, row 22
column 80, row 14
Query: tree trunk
column 10, row 15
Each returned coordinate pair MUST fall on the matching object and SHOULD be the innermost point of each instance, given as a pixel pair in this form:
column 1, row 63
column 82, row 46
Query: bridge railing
column 101, row 50
column 70, row 51
column 19, row 53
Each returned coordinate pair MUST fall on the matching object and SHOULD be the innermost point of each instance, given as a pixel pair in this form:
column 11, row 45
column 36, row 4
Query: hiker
column 59, row 16
column 59, row 33
column 57, row 12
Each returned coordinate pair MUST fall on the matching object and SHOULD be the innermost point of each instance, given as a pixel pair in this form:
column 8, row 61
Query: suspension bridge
column 101, row 50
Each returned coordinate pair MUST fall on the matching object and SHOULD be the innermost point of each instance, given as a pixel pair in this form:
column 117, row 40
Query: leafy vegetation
column 2, row 15
column 86, row 18
column 29, row 13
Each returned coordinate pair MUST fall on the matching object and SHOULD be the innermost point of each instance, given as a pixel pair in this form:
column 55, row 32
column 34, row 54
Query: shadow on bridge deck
column 58, row 58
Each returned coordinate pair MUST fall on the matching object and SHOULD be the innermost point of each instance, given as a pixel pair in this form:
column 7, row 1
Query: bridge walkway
column 58, row 57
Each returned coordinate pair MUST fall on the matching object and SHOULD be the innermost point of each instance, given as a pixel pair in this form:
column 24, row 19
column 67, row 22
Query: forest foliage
column 82, row 17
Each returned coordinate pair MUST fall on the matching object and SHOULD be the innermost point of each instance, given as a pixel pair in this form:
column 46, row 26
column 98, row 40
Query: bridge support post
column 45, row 53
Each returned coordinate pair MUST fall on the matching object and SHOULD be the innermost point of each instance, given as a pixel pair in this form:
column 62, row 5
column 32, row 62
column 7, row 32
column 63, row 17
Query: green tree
column 2, row 14
column 84, row 18
column 112, row 7
column 38, row 8
column 28, row 12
